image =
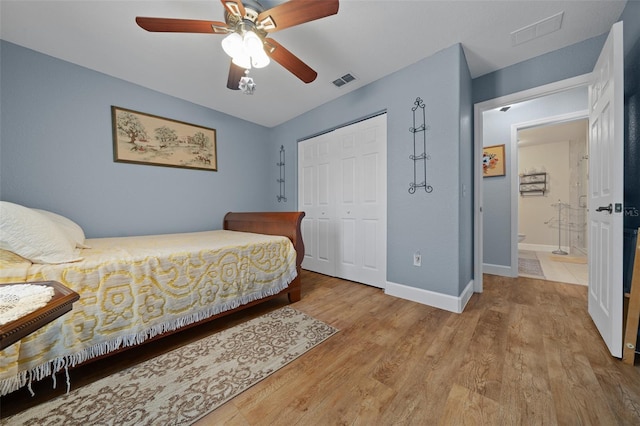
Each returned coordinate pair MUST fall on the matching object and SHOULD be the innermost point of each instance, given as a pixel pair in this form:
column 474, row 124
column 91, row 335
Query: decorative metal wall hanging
column 280, row 181
column 419, row 160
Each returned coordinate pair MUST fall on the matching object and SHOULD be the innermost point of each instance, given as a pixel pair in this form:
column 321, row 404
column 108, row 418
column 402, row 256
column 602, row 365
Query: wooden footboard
column 287, row 224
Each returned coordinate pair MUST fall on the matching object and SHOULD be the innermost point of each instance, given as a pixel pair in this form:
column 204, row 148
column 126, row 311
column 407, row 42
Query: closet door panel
column 370, row 256
column 315, row 197
column 348, row 207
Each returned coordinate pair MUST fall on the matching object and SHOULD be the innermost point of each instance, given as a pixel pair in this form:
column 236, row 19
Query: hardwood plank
column 465, row 407
column 526, row 396
column 577, row 395
column 228, row 414
column 525, row 351
column 481, row 371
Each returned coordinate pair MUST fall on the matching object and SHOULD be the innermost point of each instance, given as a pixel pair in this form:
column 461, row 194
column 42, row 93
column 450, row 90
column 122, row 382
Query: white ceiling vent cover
column 537, row 29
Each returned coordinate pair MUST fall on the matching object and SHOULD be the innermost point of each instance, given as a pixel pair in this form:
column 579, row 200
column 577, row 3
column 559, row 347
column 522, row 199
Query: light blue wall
column 568, row 62
column 429, row 223
column 571, row 61
column 631, row 29
column 56, row 153
column 497, row 190
column 465, row 200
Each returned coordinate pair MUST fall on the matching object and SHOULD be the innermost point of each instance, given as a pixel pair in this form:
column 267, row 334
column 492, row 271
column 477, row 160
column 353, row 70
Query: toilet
column 521, row 237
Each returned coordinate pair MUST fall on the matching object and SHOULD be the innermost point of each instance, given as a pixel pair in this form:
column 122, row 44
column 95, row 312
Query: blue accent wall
column 430, row 223
column 465, row 200
column 561, row 64
column 631, row 30
column 57, row 153
column 571, row 61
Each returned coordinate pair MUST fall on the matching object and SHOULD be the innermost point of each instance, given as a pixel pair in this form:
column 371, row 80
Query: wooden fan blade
column 169, row 25
column 295, row 12
column 290, row 61
column 235, row 74
column 234, row 7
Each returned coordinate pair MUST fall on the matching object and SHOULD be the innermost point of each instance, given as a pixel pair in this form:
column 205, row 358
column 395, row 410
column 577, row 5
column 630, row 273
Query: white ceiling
column 369, row 39
column 575, row 130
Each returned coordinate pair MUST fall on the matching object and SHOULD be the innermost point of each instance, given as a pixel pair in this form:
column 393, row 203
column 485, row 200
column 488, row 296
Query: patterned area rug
column 183, row 385
column 530, row 268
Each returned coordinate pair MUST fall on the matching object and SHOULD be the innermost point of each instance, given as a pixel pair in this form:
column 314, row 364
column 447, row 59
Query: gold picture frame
column 142, row 138
column 493, row 161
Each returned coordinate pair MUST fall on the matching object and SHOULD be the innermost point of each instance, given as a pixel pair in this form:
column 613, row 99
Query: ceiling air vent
column 343, row 80
column 537, row 29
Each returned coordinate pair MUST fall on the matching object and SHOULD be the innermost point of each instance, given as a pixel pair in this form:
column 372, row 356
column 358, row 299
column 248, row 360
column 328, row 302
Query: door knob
column 609, row 208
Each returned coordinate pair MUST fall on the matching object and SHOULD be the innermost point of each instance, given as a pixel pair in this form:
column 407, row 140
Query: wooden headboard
column 271, row 223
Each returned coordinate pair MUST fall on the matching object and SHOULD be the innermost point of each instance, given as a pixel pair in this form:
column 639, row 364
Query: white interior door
column 361, row 194
column 316, row 199
column 606, row 178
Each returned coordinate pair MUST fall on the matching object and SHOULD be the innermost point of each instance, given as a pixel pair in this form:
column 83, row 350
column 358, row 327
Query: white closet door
column 361, row 201
column 342, row 188
column 316, row 199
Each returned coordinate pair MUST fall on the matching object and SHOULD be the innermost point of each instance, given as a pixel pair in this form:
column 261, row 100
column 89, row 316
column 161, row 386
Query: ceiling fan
column 247, row 26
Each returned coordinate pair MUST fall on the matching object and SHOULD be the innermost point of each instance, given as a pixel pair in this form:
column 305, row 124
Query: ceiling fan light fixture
column 246, row 50
column 260, row 61
column 242, row 60
column 232, row 44
column 245, row 29
column 252, row 43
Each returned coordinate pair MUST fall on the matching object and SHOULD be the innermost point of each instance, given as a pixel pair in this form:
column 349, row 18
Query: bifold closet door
column 316, row 199
column 361, row 201
column 343, row 190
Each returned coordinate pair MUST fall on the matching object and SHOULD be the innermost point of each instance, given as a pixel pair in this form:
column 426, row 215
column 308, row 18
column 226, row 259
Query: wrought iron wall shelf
column 533, row 183
column 419, row 160
column 280, row 164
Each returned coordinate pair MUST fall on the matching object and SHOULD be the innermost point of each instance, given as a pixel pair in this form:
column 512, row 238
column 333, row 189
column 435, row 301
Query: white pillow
column 31, row 235
column 72, row 230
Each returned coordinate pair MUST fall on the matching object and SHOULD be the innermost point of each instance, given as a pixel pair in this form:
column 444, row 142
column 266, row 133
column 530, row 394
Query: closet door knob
column 609, row 209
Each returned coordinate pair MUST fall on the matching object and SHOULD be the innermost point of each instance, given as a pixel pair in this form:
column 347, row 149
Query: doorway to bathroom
column 552, row 158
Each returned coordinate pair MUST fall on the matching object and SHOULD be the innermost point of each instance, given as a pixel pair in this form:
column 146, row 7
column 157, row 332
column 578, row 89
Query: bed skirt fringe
column 54, row 366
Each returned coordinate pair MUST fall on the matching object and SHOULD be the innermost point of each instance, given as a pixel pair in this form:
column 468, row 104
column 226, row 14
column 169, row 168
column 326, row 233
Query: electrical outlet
column 417, row 259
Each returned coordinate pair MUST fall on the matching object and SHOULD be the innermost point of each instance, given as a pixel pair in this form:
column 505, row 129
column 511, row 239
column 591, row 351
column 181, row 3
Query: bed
column 136, row 289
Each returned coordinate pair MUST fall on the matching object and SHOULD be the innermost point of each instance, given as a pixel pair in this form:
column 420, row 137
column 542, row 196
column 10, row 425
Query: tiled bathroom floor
column 565, row 272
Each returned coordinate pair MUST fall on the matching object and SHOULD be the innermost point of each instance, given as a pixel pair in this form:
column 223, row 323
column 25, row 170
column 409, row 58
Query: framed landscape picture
column 493, row 161
column 148, row 139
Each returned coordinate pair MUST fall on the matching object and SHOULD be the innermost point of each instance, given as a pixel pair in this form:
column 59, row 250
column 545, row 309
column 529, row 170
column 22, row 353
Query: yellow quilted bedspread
column 132, row 288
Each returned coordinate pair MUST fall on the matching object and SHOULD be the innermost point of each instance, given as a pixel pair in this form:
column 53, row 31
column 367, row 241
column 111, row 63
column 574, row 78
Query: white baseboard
column 501, row 270
column 431, row 298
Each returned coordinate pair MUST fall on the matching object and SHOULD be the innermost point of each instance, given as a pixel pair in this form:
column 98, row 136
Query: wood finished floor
column 524, row 352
